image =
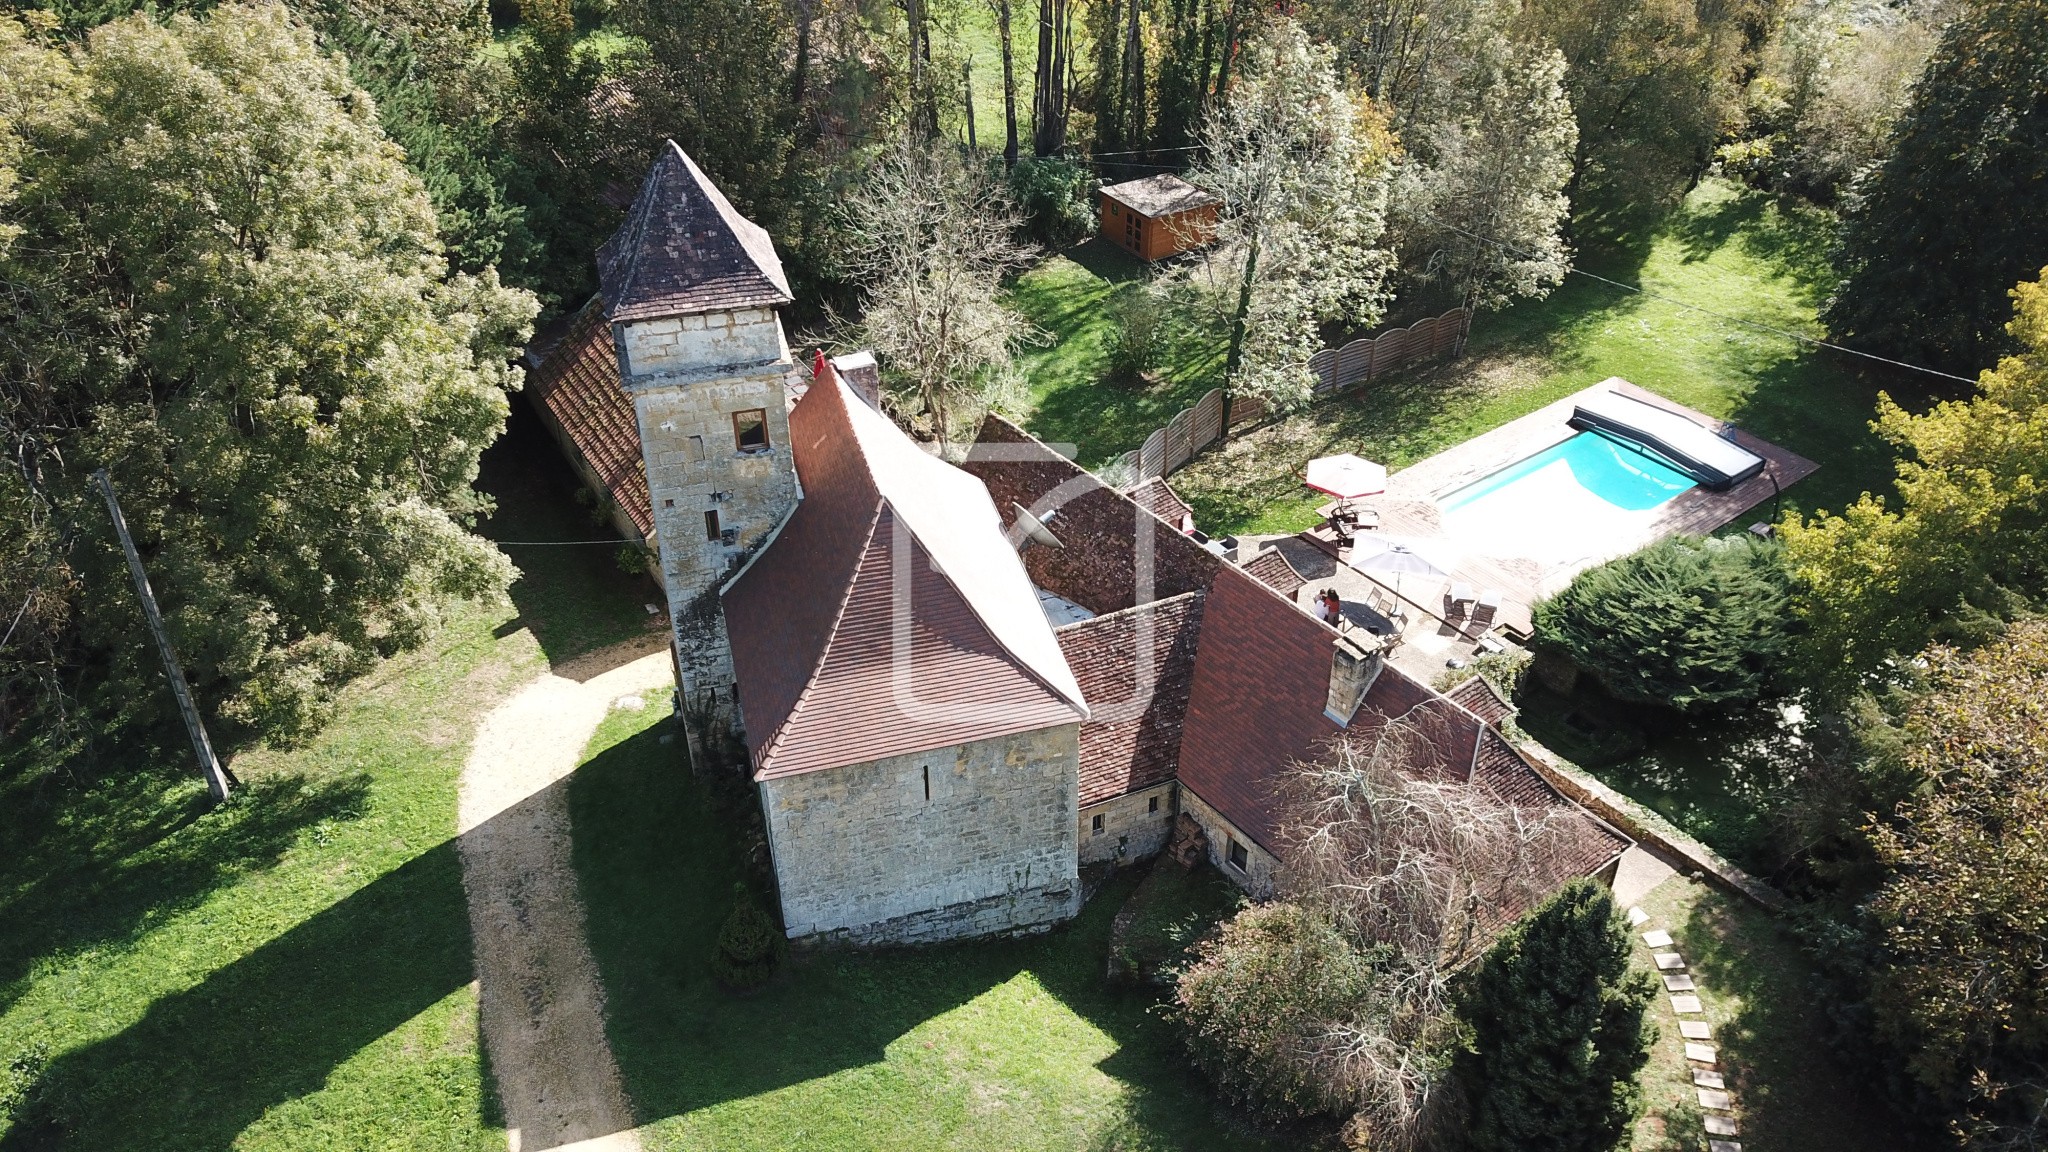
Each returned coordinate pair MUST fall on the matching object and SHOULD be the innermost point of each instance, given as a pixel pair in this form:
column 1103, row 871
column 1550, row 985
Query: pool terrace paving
column 1436, row 632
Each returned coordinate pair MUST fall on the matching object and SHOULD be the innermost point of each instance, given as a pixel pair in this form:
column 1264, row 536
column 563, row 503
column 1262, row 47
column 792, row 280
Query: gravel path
column 542, row 1004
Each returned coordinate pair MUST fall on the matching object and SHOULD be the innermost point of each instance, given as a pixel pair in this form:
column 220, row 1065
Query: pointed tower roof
column 684, row 249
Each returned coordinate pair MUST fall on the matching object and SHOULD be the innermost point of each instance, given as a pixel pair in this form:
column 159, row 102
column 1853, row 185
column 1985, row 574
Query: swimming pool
column 1566, row 503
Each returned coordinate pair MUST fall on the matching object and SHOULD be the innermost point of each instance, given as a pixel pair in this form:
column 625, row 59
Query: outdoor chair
column 1365, row 519
column 1484, row 609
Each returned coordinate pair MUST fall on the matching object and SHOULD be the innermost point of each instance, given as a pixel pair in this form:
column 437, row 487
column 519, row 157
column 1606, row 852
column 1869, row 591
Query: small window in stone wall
column 695, row 449
column 1095, row 825
column 711, row 528
column 750, row 430
column 1238, row 857
column 1152, row 805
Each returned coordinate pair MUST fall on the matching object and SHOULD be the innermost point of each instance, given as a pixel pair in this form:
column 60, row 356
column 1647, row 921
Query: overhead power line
column 1785, row 332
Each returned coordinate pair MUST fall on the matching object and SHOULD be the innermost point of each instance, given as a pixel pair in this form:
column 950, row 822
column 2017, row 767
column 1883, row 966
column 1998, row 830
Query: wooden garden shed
column 1158, row 216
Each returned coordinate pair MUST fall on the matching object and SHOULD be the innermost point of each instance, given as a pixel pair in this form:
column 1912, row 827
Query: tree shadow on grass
column 101, row 865
column 1795, row 1091
column 656, row 864
column 575, row 599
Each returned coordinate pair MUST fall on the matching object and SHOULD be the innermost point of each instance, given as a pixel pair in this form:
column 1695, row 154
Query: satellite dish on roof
column 1029, row 529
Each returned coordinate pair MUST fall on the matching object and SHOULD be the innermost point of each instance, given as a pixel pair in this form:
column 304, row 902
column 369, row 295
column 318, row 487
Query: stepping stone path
column 1715, row 1099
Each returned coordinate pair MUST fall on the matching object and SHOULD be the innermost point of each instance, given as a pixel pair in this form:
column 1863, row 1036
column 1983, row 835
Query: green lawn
column 1729, row 249
column 1073, row 403
column 1793, row 1092
column 291, row 970
column 1001, row 1045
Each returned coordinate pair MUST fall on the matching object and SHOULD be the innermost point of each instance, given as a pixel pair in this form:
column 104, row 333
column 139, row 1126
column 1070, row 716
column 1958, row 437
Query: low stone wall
column 1648, row 828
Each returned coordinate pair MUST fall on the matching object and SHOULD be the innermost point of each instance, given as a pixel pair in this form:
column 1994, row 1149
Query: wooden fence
column 1336, row 369
column 1368, row 356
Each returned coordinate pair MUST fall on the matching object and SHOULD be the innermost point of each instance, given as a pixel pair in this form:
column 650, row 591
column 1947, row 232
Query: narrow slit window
column 927, row 783
column 750, row 430
column 711, row 524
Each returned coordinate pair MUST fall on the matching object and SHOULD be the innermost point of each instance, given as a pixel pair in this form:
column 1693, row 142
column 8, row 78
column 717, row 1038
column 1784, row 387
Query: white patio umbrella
column 1346, row 476
column 1398, row 556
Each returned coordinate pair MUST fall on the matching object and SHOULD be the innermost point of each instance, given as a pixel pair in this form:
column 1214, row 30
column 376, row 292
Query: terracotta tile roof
column 1579, row 845
column 577, row 389
column 1160, row 195
column 1155, row 497
column 1256, row 706
column 828, row 675
column 1478, row 696
column 1272, row 569
column 1098, row 567
column 684, row 249
column 1132, row 737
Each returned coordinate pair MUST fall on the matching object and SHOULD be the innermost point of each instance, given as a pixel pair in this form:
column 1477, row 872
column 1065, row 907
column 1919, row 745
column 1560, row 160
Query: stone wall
column 966, row 841
column 1261, row 872
column 1134, row 826
column 688, row 376
column 713, row 341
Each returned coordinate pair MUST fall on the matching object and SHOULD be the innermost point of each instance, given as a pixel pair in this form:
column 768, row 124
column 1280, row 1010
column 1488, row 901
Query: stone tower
column 691, row 290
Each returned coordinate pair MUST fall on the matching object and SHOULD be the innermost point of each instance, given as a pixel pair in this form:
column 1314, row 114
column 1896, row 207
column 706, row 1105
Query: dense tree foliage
column 1688, row 623
column 1969, row 528
column 1559, row 1031
column 1961, row 992
column 1483, row 209
column 227, row 290
column 1654, row 83
column 1958, row 211
column 1302, row 167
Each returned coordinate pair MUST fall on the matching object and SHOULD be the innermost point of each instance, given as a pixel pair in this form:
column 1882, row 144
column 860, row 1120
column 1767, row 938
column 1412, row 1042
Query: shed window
column 750, row 430
column 1238, row 856
column 1095, row 825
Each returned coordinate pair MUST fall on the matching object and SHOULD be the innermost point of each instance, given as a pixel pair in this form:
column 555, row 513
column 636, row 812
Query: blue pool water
column 1615, row 473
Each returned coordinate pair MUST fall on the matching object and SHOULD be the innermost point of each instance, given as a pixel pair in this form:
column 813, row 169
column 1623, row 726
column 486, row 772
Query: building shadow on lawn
column 204, row 1064
column 575, row 598
column 657, row 854
column 96, row 866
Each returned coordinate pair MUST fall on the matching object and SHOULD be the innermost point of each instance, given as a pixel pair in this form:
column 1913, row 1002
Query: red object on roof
column 684, row 249
column 1135, row 667
column 834, row 666
column 577, row 389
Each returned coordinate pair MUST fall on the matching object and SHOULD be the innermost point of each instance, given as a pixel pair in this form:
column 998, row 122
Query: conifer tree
column 1558, row 1031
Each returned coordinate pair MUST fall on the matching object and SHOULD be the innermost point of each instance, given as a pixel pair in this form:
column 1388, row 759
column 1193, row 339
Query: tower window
column 711, row 523
column 750, row 430
column 1095, row 825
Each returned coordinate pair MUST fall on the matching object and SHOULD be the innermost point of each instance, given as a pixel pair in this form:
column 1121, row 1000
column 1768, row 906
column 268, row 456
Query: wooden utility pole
column 209, row 764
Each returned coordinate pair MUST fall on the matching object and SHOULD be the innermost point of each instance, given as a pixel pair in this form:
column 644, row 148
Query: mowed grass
column 1728, row 250
column 1793, row 1093
column 291, row 970
column 1002, row 1045
column 1075, row 403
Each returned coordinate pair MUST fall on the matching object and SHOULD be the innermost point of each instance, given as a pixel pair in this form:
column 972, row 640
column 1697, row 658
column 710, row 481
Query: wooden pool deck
column 1409, row 508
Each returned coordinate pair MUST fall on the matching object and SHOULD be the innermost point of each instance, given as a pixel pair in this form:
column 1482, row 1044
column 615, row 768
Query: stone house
column 957, row 685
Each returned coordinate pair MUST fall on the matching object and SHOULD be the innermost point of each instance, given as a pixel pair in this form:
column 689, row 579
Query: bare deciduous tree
column 931, row 238
column 1338, row 998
